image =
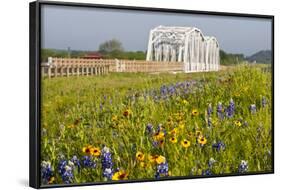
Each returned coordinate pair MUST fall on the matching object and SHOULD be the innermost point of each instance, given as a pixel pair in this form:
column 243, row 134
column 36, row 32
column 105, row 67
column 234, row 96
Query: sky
column 85, row 28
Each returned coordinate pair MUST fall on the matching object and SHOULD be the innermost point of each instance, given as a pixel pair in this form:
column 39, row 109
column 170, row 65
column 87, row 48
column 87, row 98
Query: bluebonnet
column 211, row 162
column 46, row 172
column 263, row 101
column 65, row 171
column 155, row 143
column 163, row 90
column 230, row 109
column 161, row 129
column 107, row 164
column 209, row 110
column 253, row 108
column 220, row 110
column 87, row 161
column 162, row 170
column 108, row 173
column 76, row 162
column 243, row 167
column 207, row 172
column 219, row 146
column 149, row 128
column 171, row 90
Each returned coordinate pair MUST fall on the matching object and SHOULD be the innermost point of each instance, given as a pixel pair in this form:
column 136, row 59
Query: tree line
column 113, row 49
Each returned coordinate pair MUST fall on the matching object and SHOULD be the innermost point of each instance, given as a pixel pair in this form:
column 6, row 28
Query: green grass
column 81, row 111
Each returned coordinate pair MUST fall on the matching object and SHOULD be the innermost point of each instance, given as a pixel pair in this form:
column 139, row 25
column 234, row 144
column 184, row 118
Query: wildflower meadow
column 139, row 126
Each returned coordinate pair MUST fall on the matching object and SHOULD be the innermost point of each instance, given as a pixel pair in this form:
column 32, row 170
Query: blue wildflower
column 162, row 170
column 107, row 164
column 219, row 146
column 149, row 128
column 220, row 110
column 76, row 162
column 161, row 129
column 46, row 172
column 155, row 143
column 243, row 167
column 88, row 162
column 253, row 108
column 211, row 162
column 65, row 171
column 207, row 172
column 230, row 109
column 108, row 173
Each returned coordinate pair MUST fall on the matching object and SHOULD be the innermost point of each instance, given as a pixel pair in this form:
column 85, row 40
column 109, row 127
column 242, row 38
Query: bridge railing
column 58, row 67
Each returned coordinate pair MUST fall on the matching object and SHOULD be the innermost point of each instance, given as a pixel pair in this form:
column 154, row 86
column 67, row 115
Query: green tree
column 111, row 46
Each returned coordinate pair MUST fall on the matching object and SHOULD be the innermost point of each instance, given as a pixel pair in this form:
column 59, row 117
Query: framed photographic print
column 131, row 94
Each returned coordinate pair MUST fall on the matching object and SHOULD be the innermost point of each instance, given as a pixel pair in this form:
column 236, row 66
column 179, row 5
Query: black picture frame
column 35, row 88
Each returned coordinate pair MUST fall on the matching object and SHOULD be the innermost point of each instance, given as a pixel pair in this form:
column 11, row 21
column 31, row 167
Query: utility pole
column 68, row 52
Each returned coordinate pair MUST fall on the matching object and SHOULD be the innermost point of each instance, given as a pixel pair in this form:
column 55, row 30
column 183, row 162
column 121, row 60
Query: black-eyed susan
column 96, row 151
column 127, row 112
column 152, row 158
column 159, row 135
column 174, row 131
column 88, row 149
column 52, row 180
column 120, row 175
column 160, row 159
column 161, row 142
column 173, row 140
column 140, row 156
column 185, row 143
column 201, row 140
column 238, row 123
column 195, row 112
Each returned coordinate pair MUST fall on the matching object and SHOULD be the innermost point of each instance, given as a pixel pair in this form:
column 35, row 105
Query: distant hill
column 263, row 56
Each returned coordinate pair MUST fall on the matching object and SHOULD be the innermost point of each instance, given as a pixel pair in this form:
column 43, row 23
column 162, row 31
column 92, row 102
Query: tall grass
column 114, row 111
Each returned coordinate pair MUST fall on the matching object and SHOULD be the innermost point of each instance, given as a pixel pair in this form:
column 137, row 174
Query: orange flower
column 201, row 140
column 127, row 112
column 185, row 143
column 140, row 156
column 120, row 175
column 87, row 150
column 195, row 112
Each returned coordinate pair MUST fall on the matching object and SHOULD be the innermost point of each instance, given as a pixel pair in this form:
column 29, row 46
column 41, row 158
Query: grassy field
column 142, row 126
